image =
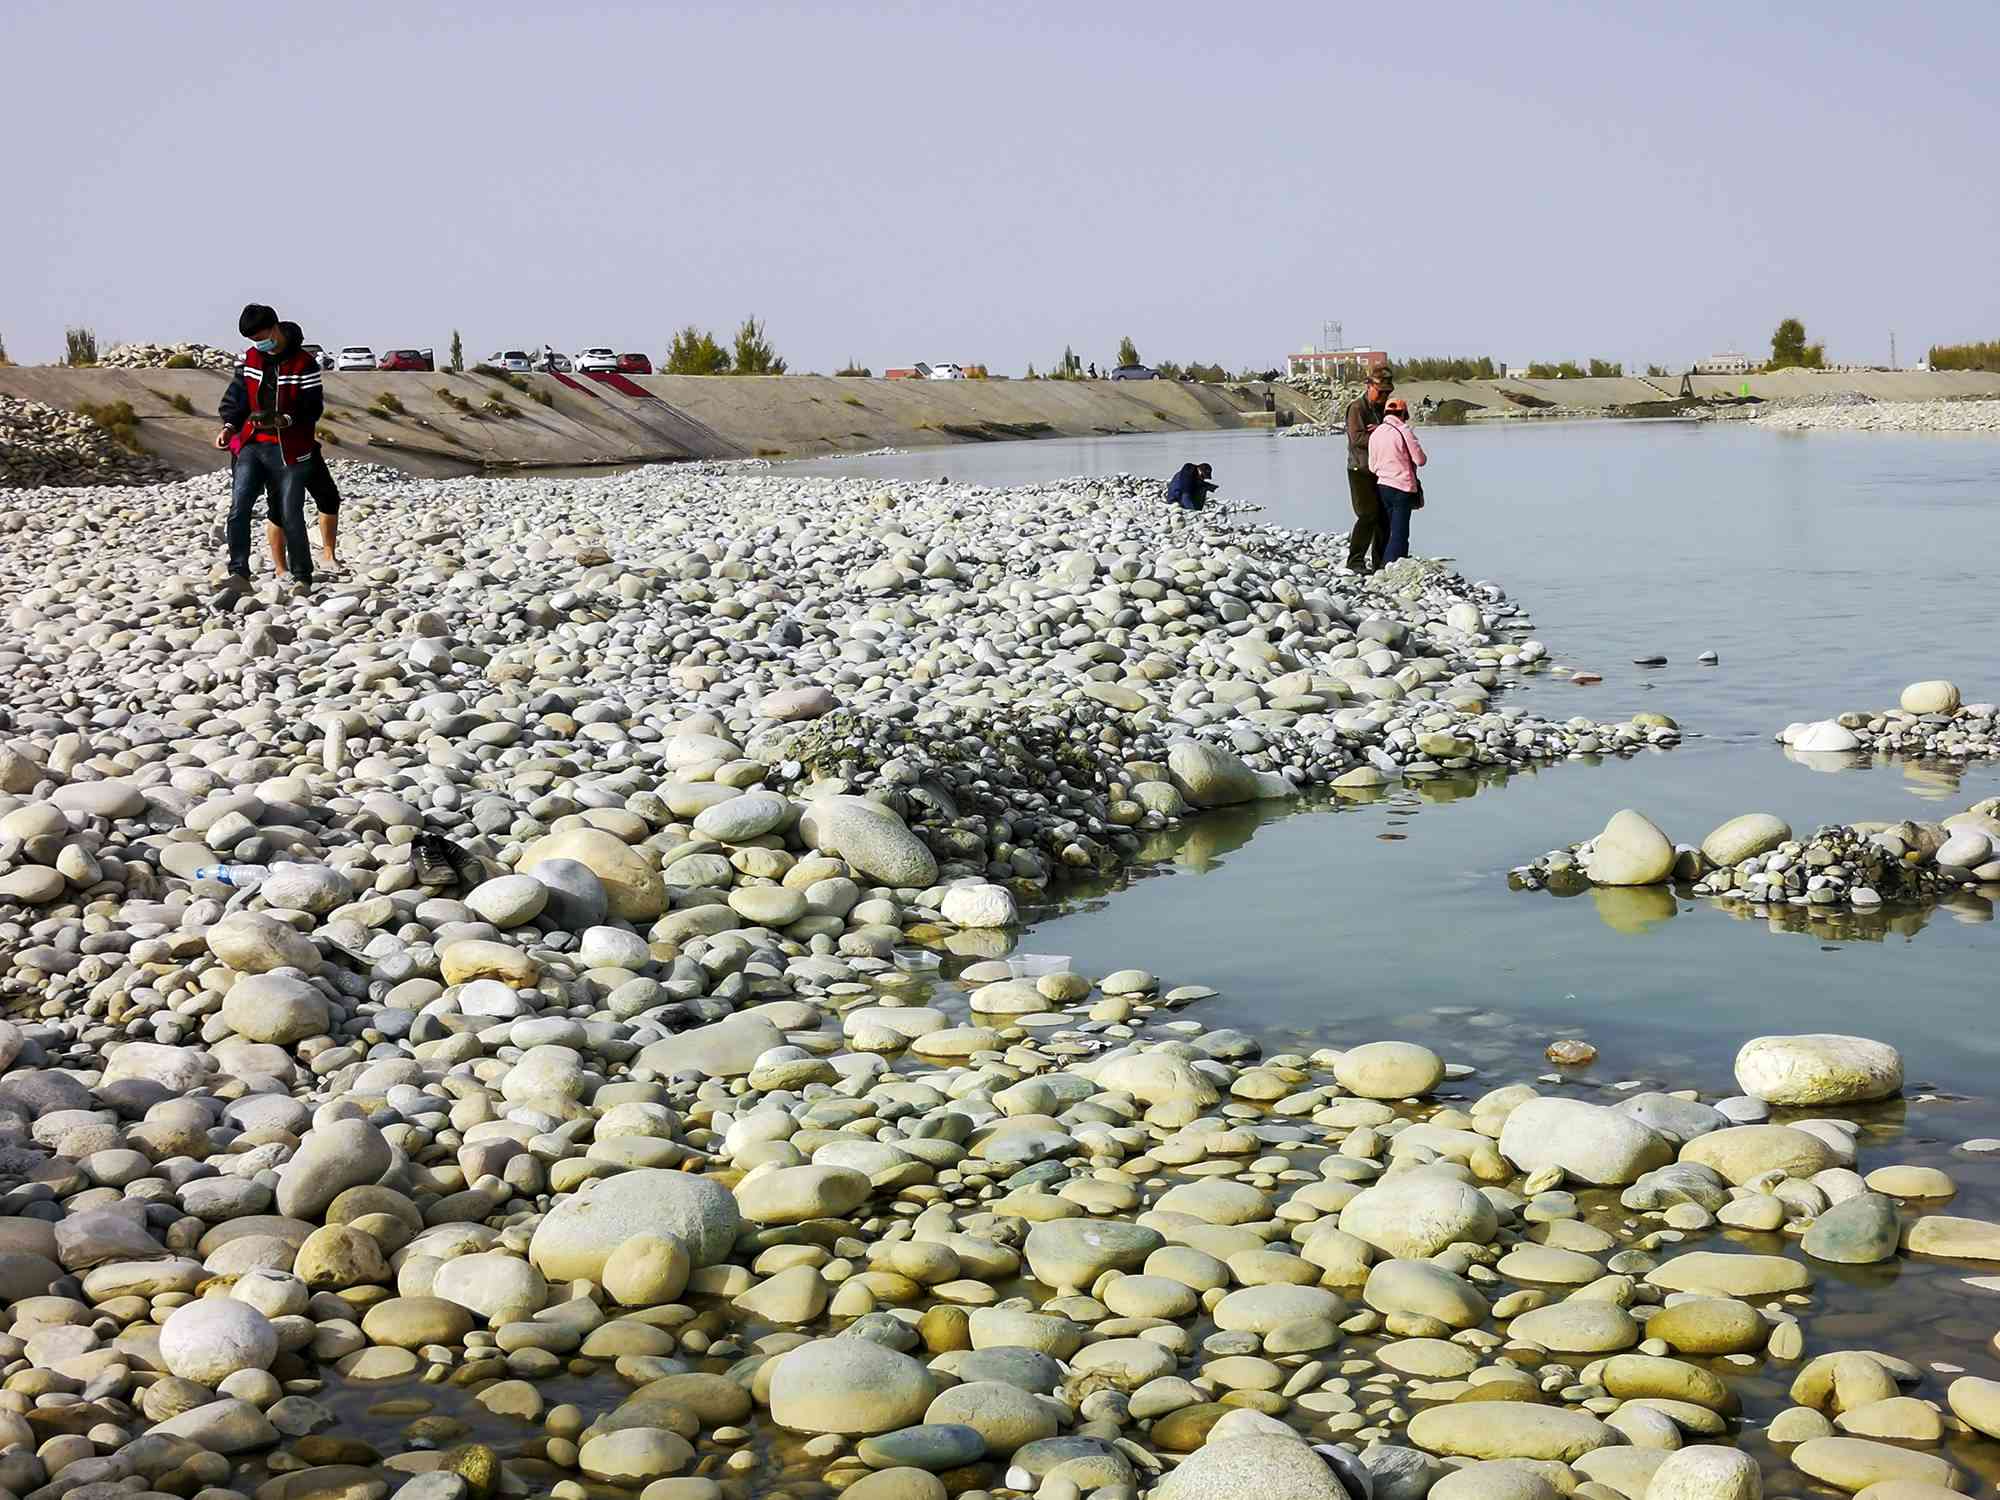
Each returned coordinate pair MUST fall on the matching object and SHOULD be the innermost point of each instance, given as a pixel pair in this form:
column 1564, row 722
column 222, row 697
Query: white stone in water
column 215, row 1337
column 1630, row 851
column 1935, row 696
column 1825, row 735
column 979, row 906
column 1818, row 1068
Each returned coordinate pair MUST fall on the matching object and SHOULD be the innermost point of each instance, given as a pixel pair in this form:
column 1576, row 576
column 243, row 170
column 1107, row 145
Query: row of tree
column 1977, row 356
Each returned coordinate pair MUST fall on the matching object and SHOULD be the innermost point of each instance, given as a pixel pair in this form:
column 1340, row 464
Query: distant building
column 1517, row 372
column 1332, row 364
column 1725, row 364
column 917, row 371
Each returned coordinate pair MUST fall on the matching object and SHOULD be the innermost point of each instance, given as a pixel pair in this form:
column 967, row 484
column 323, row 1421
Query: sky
column 992, row 182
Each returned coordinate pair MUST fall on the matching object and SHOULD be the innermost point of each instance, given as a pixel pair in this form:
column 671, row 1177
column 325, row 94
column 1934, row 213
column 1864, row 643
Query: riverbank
column 689, row 1121
column 1967, row 416
column 443, row 424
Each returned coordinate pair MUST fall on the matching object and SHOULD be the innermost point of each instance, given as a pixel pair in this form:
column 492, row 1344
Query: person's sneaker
column 440, row 862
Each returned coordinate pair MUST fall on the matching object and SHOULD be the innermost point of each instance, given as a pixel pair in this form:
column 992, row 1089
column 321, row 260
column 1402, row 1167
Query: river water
column 1827, row 570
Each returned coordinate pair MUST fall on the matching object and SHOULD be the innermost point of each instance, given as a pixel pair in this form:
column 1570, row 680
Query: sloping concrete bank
column 1780, row 385
column 444, row 423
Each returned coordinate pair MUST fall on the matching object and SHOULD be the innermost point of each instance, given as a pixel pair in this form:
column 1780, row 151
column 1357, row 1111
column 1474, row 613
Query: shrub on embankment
column 1980, row 356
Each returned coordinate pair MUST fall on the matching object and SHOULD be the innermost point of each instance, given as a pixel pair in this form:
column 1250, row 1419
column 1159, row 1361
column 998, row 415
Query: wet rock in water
column 1630, row 851
column 1744, row 837
column 1590, row 1142
column 1932, row 697
column 1389, row 1070
column 1817, row 1069
column 849, row 1386
column 1859, row 1231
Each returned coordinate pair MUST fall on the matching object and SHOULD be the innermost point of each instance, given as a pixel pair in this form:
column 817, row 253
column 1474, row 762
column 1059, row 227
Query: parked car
column 945, row 372
column 634, row 364
column 598, row 360
column 320, row 356
column 355, row 357
column 511, row 359
column 1134, row 372
column 408, row 359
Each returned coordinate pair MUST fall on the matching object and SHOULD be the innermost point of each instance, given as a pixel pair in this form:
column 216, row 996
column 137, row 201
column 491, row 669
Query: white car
column 945, row 372
column 355, row 357
column 511, row 359
column 599, row 359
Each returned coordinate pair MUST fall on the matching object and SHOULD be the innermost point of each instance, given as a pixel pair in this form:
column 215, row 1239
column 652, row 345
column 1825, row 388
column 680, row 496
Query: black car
column 1135, row 372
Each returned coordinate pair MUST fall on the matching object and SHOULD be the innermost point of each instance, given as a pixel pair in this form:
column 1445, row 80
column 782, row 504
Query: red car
column 634, row 364
column 407, row 359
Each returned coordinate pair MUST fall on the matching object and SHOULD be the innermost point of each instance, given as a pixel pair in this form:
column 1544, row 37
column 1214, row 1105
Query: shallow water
column 1828, row 570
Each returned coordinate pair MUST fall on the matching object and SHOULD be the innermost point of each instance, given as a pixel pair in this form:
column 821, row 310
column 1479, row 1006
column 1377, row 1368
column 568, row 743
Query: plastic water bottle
column 243, row 877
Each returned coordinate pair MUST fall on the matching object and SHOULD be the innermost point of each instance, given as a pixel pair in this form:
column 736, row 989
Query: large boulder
column 580, row 1232
column 1389, row 1070
column 871, row 838
column 275, row 1008
column 1210, row 776
column 1591, row 1142
column 793, row 1195
column 1415, row 1214
column 850, row 1386
column 1744, row 837
column 333, row 1158
column 1935, row 696
column 1630, row 851
column 1259, row 1465
column 252, row 943
column 1818, row 1068
column 1745, row 1152
column 726, row 1049
column 212, row 1338
column 1509, row 1429
column 632, row 887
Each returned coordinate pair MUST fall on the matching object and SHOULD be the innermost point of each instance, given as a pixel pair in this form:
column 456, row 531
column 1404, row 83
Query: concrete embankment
column 447, row 423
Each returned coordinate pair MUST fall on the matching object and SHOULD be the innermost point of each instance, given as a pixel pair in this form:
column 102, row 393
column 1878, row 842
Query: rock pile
column 1754, row 859
column 1885, row 416
column 43, row 445
column 163, row 356
column 1929, row 722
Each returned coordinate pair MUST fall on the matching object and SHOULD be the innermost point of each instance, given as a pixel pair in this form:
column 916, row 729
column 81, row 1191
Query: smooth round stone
column 1495, row 1479
column 1707, row 1472
column 1745, row 1152
column 747, row 816
column 1935, row 696
column 850, row 1386
column 1150, row 1297
column 1217, row 1200
column 1709, row 1326
column 1630, row 851
column 1817, row 1069
column 577, row 1236
column 1070, row 1254
column 469, row 959
column 509, row 901
column 647, row 1270
column 1389, row 1070
column 1583, row 1326
column 634, row 1455
column 933, row 1446
column 979, row 906
column 1975, row 1401
column 1256, row 1465
column 412, row 1322
column 1425, row 1289
column 891, row 1484
column 1592, row 1143
column 767, row 905
column 1912, row 1182
column 1428, row 1359
column 1855, row 1463
column 793, row 1195
column 1005, row 1416
column 1549, row 1264
column 1261, row 1309
column 210, row 1339
column 1858, row 1231
column 1634, row 1377
column 1713, row 1274
column 1743, row 837
column 1508, row 1429
column 631, row 888
column 1415, row 1214
column 276, row 1008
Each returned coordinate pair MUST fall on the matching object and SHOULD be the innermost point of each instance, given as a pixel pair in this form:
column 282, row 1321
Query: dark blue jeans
column 1397, row 505
column 257, row 467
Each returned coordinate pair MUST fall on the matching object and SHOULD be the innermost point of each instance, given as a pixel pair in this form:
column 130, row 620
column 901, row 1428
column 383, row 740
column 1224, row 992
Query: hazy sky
column 988, row 182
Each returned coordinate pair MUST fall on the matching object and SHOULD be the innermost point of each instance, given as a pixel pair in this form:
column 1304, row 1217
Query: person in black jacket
column 325, row 494
column 1191, row 486
column 269, row 414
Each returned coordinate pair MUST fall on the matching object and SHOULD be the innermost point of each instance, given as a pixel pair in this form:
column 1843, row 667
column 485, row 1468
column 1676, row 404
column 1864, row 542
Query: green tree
column 80, row 347
column 1656, row 370
column 854, row 367
column 754, row 354
column 1031, row 375
column 1603, row 368
column 1128, row 352
column 694, row 351
column 1069, row 367
column 457, row 351
column 4, row 360
column 1790, row 351
column 1984, row 355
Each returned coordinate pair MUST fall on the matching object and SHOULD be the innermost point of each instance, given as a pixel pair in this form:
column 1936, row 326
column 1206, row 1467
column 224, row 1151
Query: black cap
column 256, row 317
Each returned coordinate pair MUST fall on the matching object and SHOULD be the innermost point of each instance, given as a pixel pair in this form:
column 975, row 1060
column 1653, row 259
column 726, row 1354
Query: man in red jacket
column 269, row 414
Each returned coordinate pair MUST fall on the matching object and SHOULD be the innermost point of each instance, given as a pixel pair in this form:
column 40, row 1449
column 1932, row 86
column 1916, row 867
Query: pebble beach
column 546, row 1013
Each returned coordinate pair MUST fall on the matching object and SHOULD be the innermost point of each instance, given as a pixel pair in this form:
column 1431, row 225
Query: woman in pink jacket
column 1394, row 456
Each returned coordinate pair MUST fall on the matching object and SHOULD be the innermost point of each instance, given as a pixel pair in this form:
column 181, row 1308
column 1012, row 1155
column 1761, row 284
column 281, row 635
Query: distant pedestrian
column 1394, row 456
column 270, row 412
column 320, row 487
column 1370, row 536
column 1191, row 486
